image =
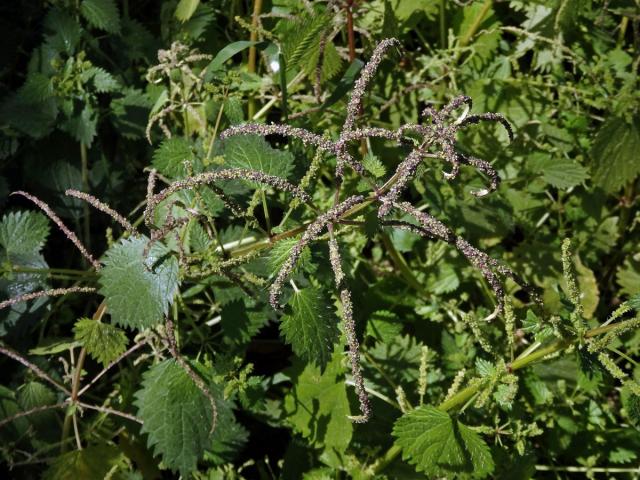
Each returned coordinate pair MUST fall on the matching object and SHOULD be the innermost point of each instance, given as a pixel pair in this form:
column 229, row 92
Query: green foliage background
column 84, row 106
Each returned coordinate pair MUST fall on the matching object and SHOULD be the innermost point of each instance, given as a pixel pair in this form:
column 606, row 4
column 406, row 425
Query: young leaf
column 23, row 232
column 310, row 328
column 103, row 342
column 253, row 152
column 177, row 415
column 439, row 445
column 102, row 14
column 138, row 290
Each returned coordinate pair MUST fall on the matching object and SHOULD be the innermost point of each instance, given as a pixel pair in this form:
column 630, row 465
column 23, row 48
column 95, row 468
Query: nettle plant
column 186, row 401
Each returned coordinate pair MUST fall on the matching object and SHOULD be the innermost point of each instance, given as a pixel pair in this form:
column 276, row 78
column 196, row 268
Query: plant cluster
column 322, row 271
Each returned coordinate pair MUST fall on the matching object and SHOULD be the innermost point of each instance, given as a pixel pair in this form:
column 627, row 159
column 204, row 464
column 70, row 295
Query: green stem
column 75, row 383
column 465, row 394
column 443, row 26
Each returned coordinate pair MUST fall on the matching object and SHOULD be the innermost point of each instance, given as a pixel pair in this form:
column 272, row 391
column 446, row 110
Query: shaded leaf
column 102, row 14
column 95, row 461
column 614, row 152
column 318, row 407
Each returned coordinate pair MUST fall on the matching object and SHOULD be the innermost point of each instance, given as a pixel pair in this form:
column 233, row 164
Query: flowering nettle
column 436, row 139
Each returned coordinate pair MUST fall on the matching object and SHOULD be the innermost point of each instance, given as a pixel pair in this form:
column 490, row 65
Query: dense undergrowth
column 292, row 239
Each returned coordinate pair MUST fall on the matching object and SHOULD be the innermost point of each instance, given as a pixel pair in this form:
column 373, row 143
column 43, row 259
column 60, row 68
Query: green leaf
column 130, row 113
column 628, row 276
column 170, row 155
column 239, row 324
column 254, row 152
column 177, row 415
column 23, row 232
column 35, row 394
column 102, row 14
column 373, row 165
column 383, row 325
column 138, row 295
column 345, row 83
column 439, row 445
column 95, row 461
column 303, row 38
column 53, row 345
column 229, row 51
column 64, row 31
column 102, row 80
column 311, row 327
column 560, row 172
column 614, row 153
column 83, row 127
column 281, row 251
column 185, row 9
column 318, row 406
column 103, row 342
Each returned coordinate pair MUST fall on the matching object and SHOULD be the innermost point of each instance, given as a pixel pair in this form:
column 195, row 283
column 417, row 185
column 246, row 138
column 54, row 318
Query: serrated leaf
column 254, row 152
column 177, row 415
column 138, row 294
column 103, row 80
column 240, row 324
column 23, row 233
column 302, row 38
column 374, row 166
column 64, row 31
column 631, row 403
column 614, row 153
column 103, row 342
column 170, row 155
column 83, row 127
column 94, row 461
column 37, row 88
column 130, row 113
column 186, row 9
column 318, row 406
column 383, row 325
column 281, row 251
column 560, row 172
column 438, row 445
column 102, row 14
column 35, row 394
column 311, row 327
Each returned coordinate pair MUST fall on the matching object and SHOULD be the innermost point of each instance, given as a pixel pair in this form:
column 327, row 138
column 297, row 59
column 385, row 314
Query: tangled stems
column 464, row 395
